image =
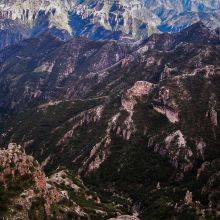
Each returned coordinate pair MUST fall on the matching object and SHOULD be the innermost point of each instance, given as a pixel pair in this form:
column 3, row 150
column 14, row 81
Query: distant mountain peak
column 103, row 20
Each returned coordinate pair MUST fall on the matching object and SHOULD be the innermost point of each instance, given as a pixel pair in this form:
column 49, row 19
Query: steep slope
column 130, row 123
column 12, row 32
column 144, row 17
column 77, row 68
column 27, row 193
column 28, row 77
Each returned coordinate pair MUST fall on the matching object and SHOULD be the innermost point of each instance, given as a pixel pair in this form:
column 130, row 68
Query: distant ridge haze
column 101, row 20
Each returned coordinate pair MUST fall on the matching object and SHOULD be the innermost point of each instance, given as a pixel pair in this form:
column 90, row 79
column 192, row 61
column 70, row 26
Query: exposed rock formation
column 166, row 106
column 125, row 217
column 27, row 193
column 188, row 197
column 123, row 19
column 136, row 93
column 16, row 168
column 122, row 118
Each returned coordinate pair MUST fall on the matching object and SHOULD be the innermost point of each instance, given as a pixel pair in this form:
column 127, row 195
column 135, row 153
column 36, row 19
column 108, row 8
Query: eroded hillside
column 139, row 121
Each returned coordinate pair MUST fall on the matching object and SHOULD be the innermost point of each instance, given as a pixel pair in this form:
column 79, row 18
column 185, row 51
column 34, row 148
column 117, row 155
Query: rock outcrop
column 22, row 174
column 135, row 94
column 27, row 193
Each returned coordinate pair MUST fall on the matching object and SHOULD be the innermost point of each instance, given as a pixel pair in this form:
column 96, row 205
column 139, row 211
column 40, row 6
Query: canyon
column 109, row 109
column 123, row 20
column 127, row 120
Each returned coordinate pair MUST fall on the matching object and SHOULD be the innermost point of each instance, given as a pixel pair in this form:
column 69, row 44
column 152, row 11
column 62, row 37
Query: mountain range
column 135, row 124
column 123, row 20
column 109, row 110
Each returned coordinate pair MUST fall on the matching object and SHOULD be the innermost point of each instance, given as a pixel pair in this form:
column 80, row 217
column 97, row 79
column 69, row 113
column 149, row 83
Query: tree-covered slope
column 135, row 122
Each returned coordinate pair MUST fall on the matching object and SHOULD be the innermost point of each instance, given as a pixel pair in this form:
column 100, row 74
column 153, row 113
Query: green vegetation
column 14, row 188
column 89, row 204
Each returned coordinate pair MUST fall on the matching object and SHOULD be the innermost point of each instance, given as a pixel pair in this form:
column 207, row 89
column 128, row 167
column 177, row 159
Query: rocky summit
column 27, row 193
column 109, row 110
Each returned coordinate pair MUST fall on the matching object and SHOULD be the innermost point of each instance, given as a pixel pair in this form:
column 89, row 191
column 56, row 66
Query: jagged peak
column 196, row 27
column 97, row 21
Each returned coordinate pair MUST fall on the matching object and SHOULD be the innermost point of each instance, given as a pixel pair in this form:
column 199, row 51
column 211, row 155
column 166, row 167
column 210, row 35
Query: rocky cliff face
column 23, row 184
column 125, row 20
column 128, row 120
column 27, row 193
column 12, row 32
